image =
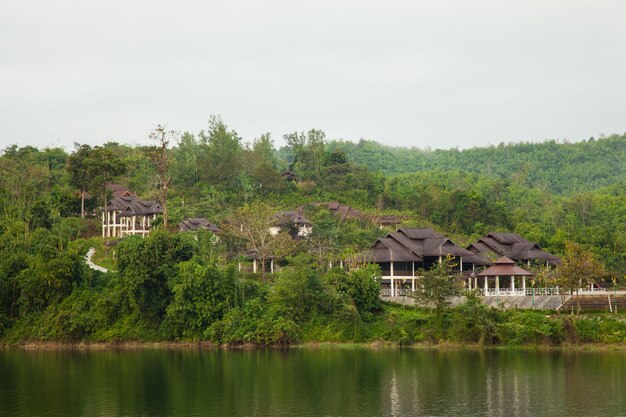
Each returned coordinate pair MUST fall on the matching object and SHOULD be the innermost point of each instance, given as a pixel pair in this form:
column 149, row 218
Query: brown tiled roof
column 295, row 217
column 412, row 244
column 118, row 190
column 339, row 210
column 191, row 224
column 504, row 267
column 389, row 220
column 417, row 233
column 427, row 242
column 476, row 260
column 133, row 206
column 390, row 250
column 513, row 246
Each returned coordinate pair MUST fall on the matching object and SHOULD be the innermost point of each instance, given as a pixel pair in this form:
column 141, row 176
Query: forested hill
column 564, row 168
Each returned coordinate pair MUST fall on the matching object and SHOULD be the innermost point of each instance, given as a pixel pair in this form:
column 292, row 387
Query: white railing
column 507, row 292
column 399, row 292
column 502, row 292
column 589, row 291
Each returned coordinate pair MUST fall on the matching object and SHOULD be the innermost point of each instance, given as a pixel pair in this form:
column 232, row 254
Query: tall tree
column 103, row 166
column 77, row 168
column 161, row 157
column 308, row 151
column 579, row 269
column 261, row 165
column 222, row 153
column 186, row 156
column 436, row 286
column 253, row 223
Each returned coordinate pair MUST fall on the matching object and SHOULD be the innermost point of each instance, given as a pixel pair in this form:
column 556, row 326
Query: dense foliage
column 561, row 167
column 176, row 286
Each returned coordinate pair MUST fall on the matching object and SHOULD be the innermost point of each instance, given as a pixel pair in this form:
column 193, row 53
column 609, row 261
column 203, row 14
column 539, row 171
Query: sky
column 428, row 74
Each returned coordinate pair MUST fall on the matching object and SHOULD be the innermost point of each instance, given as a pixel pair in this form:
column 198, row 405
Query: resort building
column 127, row 215
column 292, row 219
column 193, row 224
column 341, row 211
column 514, row 247
column 400, row 256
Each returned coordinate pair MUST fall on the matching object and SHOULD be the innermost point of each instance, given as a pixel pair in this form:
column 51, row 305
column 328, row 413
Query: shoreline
column 377, row 345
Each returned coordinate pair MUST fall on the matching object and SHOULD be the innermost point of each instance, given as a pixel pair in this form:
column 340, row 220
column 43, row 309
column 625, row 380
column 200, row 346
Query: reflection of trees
column 324, row 381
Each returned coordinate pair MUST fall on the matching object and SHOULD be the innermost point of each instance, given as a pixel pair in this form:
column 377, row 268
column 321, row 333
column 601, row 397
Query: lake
column 335, row 381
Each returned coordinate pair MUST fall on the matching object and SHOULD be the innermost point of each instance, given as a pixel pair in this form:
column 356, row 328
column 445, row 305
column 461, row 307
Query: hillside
column 563, row 168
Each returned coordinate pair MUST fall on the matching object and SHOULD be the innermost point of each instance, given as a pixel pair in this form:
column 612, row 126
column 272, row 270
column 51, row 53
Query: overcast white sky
column 441, row 74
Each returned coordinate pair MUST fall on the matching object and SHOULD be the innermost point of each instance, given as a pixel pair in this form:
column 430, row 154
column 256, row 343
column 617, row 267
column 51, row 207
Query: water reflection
column 327, row 382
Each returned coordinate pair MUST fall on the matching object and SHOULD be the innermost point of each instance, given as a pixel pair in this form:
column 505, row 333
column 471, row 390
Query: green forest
column 175, row 286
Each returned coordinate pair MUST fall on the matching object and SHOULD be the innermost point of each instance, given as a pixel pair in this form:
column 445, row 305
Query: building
column 289, row 176
column 127, row 215
column 292, row 219
column 389, row 222
column 193, row 224
column 503, row 278
column 400, row 255
column 341, row 211
column 514, row 247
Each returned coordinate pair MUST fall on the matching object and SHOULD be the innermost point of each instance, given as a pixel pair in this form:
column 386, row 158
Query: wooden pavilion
column 493, row 285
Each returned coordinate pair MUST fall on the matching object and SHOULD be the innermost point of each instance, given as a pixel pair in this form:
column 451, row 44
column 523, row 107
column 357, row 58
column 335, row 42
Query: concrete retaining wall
column 539, row 302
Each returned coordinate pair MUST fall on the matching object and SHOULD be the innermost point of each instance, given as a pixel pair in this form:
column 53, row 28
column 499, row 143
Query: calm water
column 307, row 382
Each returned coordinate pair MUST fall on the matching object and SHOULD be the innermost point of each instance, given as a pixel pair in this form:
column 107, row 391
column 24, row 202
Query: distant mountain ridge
column 563, row 168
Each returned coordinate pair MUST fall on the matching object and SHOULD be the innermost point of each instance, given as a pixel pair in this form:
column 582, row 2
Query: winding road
column 90, row 263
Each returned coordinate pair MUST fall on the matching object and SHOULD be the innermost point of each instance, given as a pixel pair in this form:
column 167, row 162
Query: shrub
column 474, row 322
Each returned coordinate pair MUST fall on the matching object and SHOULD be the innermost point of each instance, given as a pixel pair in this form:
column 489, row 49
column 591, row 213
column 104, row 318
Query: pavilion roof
column 504, row 267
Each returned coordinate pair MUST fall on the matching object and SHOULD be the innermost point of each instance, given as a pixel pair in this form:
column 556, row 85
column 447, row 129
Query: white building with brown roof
column 127, row 215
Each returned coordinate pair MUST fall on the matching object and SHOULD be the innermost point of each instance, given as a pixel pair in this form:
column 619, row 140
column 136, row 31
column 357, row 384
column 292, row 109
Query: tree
column 308, row 152
column 201, row 296
column 221, row 153
column 186, row 157
column 22, row 184
column 436, row 287
column 147, row 264
column 261, row 165
column 253, row 223
column 161, row 159
column 77, row 168
column 362, row 286
column 579, row 268
column 102, row 167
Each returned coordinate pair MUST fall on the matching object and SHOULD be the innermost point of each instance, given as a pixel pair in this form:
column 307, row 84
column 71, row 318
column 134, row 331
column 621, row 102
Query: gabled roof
column 427, row 242
column 476, row 260
column 504, row 267
column 412, row 245
column 389, row 220
column 294, row 217
column 417, row 233
column 133, row 206
column 390, row 250
column 513, row 246
column 191, row 224
column 118, row 190
column 339, row 210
